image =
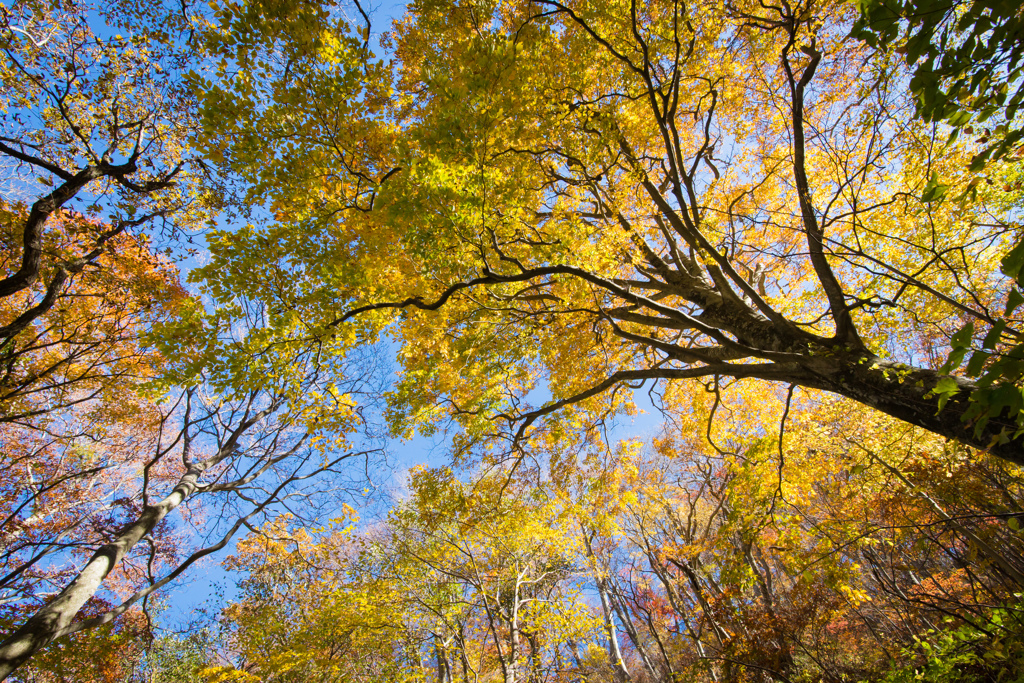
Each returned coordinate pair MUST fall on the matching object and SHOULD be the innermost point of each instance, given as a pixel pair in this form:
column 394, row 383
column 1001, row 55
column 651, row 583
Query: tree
column 647, row 562
column 89, row 344
column 587, row 197
column 966, row 61
column 124, row 651
column 966, row 58
column 223, row 462
column 459, row 584
column 106, row 654
column 80, row 285
column 313, row 608
column 100, row 119
column 107, row 427
column 73, row 415
column 865, row 536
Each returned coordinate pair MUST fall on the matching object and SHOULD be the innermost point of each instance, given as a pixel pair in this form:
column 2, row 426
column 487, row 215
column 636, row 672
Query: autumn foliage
column 788, row 233
column 652, row 562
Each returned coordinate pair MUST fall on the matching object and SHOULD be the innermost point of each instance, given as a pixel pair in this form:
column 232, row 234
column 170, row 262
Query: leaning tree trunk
column 54, row 617
column 907, row 393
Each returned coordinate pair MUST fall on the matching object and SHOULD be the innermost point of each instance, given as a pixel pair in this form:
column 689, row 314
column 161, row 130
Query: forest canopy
column 252, row 247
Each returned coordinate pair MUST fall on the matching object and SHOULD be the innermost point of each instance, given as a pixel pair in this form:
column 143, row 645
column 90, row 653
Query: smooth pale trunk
column 48, row 623
column 614, row 653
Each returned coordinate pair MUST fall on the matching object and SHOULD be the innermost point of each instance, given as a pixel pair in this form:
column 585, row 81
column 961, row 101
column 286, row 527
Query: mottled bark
column 50, row 621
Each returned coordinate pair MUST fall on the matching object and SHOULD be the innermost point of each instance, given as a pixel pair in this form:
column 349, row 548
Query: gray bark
column 50, row 621
column 53, row 619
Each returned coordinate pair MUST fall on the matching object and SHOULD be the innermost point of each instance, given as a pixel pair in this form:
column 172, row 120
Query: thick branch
column 845, row 330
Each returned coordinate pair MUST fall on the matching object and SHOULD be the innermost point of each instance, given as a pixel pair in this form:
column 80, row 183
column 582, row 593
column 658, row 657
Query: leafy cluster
column 789, row 231
column 672, row 561
column 967, row 60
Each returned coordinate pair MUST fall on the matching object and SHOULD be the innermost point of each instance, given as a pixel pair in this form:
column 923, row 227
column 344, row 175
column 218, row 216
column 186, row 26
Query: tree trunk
column 49, row 622
column 905, row 393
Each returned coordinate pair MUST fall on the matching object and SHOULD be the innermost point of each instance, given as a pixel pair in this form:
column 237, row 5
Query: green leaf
column 960, row 343
column 945, row 389
column 1014, row 300
column 1012, row 263
column 933, row 190
column 977, row 362
column 962, row 338
column 993, row 336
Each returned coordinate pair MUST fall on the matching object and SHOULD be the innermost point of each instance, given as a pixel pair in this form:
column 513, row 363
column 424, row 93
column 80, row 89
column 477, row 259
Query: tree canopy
column 116, row 477
column 790, row 230
column 581, row 198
